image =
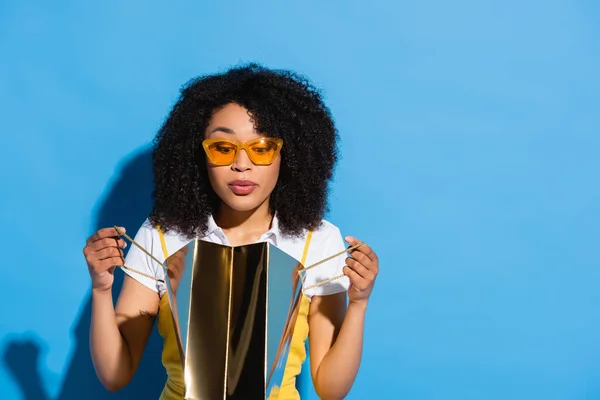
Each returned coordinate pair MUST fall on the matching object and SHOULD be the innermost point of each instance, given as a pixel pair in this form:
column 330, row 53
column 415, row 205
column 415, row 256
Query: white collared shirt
column 326, row 241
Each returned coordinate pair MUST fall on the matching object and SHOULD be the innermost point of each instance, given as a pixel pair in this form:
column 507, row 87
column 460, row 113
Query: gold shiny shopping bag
column 234, row 310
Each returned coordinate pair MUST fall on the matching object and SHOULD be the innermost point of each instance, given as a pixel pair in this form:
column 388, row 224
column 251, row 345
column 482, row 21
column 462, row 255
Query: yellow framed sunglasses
column 261, row 151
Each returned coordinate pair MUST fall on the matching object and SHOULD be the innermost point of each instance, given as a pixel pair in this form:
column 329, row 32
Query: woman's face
column 242, row 186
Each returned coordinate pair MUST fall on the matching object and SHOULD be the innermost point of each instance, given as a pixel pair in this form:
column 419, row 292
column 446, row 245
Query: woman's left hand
column 361, row 268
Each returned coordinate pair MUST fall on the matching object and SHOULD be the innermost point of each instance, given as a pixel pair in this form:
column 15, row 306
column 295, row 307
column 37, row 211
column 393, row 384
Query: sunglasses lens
column 263, row 152
column 221, row 153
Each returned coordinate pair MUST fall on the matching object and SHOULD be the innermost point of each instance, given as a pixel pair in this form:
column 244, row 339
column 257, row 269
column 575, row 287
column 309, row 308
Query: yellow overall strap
column 163, row 243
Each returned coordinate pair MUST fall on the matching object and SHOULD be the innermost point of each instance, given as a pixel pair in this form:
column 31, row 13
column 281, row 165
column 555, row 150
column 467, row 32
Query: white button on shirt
column 326, row 241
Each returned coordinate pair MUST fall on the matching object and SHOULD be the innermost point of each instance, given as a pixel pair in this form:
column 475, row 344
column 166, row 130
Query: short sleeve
column 323, row 245
column 136, row 259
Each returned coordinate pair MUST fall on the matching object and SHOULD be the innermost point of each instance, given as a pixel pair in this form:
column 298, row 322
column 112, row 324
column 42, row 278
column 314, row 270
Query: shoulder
column 152, row 238
column 328, row 234
column 326, row 228
column 324, row 234
column 146, row 230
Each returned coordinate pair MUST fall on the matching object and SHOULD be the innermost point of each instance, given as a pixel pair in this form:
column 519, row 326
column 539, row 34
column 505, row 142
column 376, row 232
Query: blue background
column 470, row 163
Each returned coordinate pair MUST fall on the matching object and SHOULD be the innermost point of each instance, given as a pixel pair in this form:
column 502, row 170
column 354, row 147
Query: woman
column 244, row 157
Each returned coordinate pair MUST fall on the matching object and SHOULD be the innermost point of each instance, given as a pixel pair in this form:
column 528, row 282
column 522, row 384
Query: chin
column 243, row 203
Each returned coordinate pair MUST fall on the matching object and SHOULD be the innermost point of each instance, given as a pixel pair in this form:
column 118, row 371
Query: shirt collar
column 212, row 226
column 274, row 233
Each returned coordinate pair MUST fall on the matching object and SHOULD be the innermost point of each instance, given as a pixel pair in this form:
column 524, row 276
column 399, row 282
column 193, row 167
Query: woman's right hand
column 103, row 251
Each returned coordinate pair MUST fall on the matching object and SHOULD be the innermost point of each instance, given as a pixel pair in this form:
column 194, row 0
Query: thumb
column 351, row 240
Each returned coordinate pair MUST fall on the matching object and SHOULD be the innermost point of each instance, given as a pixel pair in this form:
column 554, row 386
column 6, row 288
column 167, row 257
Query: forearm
column 110, row 353
column 339, row 367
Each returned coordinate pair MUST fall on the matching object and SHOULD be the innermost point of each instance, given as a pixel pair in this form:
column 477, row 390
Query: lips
column 242, row 187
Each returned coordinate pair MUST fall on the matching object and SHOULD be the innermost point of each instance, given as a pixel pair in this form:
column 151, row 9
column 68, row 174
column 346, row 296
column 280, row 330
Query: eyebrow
column 222, row 129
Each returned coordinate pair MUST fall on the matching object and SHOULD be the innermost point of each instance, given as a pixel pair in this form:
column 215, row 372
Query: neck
column 252, row 221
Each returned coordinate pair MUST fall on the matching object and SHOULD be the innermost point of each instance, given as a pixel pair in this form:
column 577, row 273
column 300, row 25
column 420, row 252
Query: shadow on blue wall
column 127, row 203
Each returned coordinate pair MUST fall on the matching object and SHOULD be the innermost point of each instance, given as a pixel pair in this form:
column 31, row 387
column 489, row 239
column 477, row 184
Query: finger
column 100, row 245
column 110, row 242
column 364, row 248
column 109, row 252
column 360, row 257
column 360, row 269
column 355, row 279
column 175, row 269
column 351, row 240
column 104, row 233
column 104, row 254
column 175, row 266
column 101, row 234
column 108, row 263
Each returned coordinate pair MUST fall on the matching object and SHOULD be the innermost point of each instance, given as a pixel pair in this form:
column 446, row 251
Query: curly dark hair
column 282, row 104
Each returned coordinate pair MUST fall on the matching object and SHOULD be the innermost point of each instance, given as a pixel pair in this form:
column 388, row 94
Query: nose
column 242, row 162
